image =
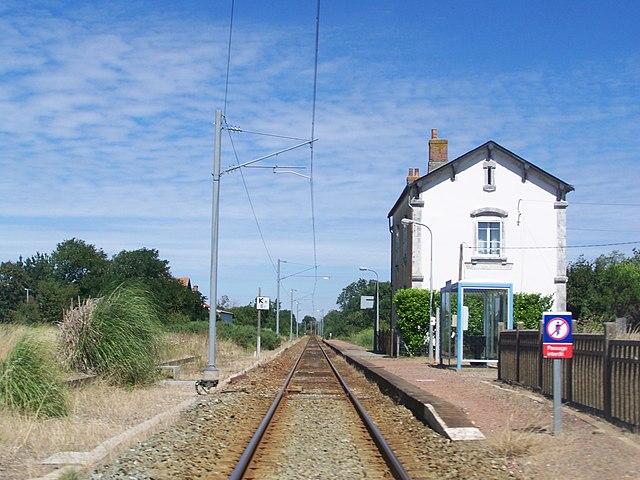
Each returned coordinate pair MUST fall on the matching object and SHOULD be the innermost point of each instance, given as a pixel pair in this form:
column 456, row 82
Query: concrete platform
column 442, row 416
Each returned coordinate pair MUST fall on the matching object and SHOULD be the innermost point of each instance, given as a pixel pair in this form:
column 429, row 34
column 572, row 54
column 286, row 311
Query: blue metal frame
column 460, row 287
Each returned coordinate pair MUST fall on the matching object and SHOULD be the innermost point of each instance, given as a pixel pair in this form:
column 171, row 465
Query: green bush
column 528, row 308
column 364, row 338
column 30, row 380
column 268, row 339
column 118, row 339
column 177, row 318
column 26, row 313
column 246, row 335
column 189, row 327
column 412, row 309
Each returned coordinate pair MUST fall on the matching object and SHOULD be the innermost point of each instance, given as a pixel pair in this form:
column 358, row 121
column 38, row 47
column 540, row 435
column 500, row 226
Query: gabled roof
column 490, row 145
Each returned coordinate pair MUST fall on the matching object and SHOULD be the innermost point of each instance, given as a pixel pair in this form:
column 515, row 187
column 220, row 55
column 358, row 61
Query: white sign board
column 262, row 303
column 366, row 301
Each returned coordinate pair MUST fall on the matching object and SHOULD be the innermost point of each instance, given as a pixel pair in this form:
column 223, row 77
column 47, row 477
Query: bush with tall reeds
column 30, row 378
column 117, row 336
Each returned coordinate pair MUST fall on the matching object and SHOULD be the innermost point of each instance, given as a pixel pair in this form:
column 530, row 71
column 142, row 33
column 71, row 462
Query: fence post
column 500, row 330
column 519, row 326
column 610, row 331
column 569, row 367
column 540, row 359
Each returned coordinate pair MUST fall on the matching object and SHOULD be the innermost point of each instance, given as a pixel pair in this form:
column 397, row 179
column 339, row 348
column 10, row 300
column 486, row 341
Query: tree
column 13, row 281
column 412, row 309
column 605, row 288
column 308, row 323
column 349, row 301
column 82, row 264
column 141, row 264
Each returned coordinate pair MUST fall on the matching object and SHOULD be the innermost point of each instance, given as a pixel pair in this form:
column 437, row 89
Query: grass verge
column 30, row 379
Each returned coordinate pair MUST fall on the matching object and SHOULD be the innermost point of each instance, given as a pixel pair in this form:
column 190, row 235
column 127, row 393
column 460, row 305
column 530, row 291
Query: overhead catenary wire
column 253, row 209
column 548, row 247
column 311, row 151
column 265, row 134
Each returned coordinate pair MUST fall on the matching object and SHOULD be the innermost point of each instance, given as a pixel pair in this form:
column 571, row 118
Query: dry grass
column 515, row 443
column 10, row 334
column 518, row 439
column 98, row 411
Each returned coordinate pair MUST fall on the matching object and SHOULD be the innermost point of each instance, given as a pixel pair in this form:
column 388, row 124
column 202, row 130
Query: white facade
column 495, row 218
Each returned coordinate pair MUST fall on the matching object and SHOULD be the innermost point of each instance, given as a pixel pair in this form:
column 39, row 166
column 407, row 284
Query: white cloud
column 106, row 134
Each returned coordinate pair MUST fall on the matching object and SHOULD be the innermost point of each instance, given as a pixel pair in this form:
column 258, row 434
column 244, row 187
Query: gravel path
column 317, row 438
column 208, row 439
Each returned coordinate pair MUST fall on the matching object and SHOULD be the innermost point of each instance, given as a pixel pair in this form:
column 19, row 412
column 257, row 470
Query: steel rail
column 397, row 470
column 246, row 457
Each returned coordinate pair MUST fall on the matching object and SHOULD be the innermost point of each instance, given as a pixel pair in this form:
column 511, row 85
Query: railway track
column 316, row 428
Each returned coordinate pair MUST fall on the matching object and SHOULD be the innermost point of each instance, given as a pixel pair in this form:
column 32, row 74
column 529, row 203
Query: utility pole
column 278, row 301
column 27, row 294
column 211, row 374
column 291, row 324
column 259, row 315
column 297, row 317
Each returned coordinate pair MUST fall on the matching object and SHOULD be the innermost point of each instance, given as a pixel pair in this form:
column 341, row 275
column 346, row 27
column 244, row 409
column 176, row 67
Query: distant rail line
column 314, row 396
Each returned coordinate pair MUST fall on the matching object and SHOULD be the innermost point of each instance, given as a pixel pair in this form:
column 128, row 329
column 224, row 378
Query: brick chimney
column 413, row 175
column 437, row 151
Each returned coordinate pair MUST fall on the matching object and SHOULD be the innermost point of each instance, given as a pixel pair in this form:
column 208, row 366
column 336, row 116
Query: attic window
column 489, row 176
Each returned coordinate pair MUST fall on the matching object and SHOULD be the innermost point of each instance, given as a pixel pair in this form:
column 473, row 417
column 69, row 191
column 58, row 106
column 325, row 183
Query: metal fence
column 603, row 375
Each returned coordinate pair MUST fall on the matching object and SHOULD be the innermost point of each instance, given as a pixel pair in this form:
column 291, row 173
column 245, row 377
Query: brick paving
column 589, row 448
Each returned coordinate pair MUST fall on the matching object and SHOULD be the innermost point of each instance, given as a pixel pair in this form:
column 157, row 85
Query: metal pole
column 278, row 302
column 291, row 323
column 430, row 294
column 259, row 312
column 27, row 294
column 211, row 374
column 377, row 332
column 297, row 317
column 557, row 396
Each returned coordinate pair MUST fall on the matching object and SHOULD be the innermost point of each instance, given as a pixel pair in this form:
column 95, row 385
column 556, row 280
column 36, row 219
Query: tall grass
column 364, row 338
column 30, row 379
column 119, row 338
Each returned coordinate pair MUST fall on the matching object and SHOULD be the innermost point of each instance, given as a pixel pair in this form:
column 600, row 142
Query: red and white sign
column 557, row 350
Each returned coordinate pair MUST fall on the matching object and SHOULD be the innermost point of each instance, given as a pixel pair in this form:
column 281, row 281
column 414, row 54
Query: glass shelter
column 475, row 309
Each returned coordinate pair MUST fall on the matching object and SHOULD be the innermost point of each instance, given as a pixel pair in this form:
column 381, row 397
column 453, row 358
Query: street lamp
column 377, row 332
column 291, row 317
column 406, row 222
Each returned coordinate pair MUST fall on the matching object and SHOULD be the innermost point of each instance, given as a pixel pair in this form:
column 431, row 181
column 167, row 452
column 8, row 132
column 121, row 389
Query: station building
column 486, row 224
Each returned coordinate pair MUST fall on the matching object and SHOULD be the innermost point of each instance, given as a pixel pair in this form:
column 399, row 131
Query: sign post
column 262, row 303
column 557, row 344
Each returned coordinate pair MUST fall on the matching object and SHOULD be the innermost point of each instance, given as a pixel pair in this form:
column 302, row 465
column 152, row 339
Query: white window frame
column 486, row 253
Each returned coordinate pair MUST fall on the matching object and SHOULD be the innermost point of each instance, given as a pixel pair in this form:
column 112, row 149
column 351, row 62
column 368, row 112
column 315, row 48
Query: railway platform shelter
column 468, row 325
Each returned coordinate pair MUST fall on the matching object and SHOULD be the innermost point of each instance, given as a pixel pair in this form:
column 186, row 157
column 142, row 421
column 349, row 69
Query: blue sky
column 106, row 113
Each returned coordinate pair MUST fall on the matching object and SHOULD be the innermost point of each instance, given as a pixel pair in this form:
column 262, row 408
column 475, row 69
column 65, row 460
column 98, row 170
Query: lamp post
column 291, row 324
column 377, row 329
column 406, row 222
column 278, row 300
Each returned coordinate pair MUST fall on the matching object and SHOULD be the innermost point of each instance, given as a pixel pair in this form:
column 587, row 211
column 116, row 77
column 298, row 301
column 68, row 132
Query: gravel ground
column 208, row 439
column 316, row 432
column 318, row 437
